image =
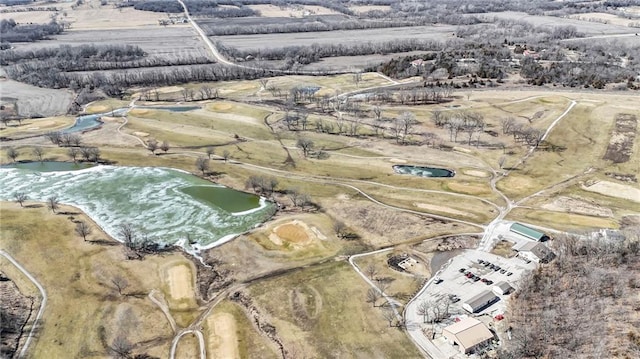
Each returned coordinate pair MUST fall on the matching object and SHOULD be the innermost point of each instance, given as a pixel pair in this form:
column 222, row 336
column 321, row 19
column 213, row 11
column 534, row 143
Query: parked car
column 488, row 282
column 476, row 278
column 480, row 261
column 509, row 273
column 461, row 270
column 438, row 280
column 503, row 271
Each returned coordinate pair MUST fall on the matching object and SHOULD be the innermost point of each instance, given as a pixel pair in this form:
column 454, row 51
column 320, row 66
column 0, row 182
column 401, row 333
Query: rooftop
column 527, row 232
column 469, row 332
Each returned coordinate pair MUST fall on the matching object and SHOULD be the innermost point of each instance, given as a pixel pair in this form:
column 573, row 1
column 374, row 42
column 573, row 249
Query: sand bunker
column 296, row 233
column 180, row 282
column 612, row 189
column 572, row 205
column 476, row 173
column 222, row 340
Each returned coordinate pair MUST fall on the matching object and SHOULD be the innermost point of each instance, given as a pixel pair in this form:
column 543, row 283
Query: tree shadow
column 103, row 242
column 34, row 206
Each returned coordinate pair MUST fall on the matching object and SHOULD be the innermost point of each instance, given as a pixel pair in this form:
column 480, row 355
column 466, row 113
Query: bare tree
column 83, row 229
column 127, row 233
column 202, row 164
column 508, row 124
column 226, row 155
column 389, row 315
column 73, row 153
column 12, row 153
column 210, row 151
column 501, row 161
column 299, row 199
column 53, row 203
column 263, row 83
column 38, row 152
column 20, row 197
column 306, row 145
column 372, row 296
column 121, row 347
column 377, row 111
column 371, row 271
column 423, row 310
column 165, row 146
column 152, row 145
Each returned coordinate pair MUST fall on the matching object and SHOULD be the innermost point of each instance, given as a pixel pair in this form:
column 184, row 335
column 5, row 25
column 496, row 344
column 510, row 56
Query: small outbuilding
column 468, row 334
column 480, row 302
column 528, row 232
column 502, row 288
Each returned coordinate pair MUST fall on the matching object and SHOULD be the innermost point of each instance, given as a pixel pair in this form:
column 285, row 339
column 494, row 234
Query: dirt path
column 43, row 304
column 164, row 308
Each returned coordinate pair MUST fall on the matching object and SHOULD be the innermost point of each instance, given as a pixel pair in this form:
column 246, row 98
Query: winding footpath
column 43, row 304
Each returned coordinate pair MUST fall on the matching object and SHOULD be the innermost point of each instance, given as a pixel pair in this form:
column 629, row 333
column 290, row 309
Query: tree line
column 196, row 7
column 315, row 52
column 10, row 31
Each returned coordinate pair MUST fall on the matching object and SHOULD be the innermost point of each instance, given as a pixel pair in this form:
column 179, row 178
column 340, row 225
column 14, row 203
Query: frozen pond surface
column 167, row 205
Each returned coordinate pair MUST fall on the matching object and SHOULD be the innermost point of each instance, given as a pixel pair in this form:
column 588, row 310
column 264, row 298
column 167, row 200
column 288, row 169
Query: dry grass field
column 342, row 325
column 85, row 311
column 32, row 101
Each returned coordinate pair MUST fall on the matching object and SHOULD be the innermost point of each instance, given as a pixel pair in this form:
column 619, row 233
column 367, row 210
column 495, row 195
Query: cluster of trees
column 196, row 7
column 592, row 282
column 521, row 132
column 10, row 31
column 315, row 52
column 467, row 122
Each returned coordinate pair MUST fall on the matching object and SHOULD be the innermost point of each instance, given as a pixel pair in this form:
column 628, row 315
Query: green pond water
column 164, row 204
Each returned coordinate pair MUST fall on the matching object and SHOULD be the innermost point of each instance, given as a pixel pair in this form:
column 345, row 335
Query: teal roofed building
column 528, row 232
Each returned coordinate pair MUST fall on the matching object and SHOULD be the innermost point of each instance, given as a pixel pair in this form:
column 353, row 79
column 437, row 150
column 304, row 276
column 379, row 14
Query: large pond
column 423, row 171
column 166, row 205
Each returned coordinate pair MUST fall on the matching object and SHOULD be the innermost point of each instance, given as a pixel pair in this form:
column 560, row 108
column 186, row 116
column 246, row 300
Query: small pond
column 49, row 166
column 84, row 123
column 423, row 171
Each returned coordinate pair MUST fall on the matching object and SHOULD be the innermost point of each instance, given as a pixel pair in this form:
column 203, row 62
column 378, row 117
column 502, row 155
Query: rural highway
column 42, row 304
column 221, row 59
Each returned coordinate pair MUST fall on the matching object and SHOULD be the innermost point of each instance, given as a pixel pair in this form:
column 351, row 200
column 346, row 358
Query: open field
column 343, row 325
column 33, row 101
column 292, row 10
column 586, row 27
column 85, row 309
column 346, row 37
column 173, row 42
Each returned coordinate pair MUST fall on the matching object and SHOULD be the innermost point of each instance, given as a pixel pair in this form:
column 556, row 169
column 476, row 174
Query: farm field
column 586, row 27
column 173, row 42
column 346, row 37
column 34, row 101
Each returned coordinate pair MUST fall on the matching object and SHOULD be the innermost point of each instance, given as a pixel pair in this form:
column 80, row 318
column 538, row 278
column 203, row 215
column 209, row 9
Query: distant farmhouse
column 468, row 334
column 528, row 232
column 534, row 251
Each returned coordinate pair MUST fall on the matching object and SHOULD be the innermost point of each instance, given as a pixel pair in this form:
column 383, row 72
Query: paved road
column 43, row 304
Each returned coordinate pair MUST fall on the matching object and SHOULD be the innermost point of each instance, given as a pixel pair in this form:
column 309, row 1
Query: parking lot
column 456, row 283
column 450, row 283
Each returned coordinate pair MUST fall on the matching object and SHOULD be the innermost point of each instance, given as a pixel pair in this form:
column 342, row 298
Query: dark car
column 497, row 268
column 503, row 271
column 488, row 282
column 461, row 270
column 476, row 278
column 509, row 273
column 455, row 300
column 480, row 261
